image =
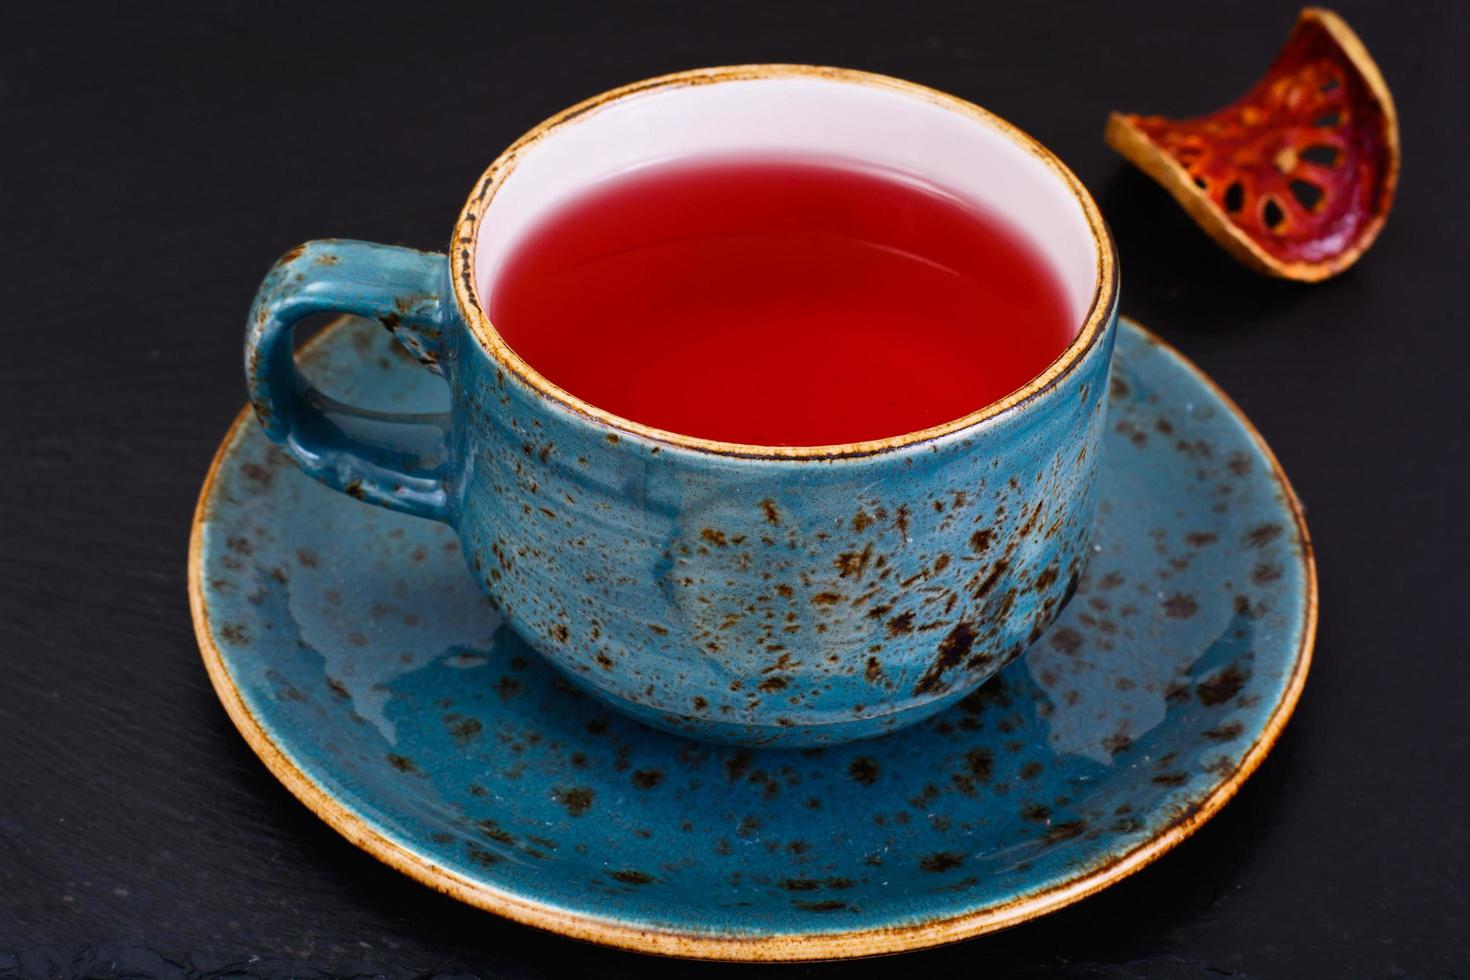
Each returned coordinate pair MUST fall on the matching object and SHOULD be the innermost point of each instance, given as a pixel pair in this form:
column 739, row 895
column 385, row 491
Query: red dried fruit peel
column 1295, row 178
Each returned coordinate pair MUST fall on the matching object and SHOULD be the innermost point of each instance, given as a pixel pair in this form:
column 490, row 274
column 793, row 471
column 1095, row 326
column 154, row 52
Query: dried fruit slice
column 1296, row 177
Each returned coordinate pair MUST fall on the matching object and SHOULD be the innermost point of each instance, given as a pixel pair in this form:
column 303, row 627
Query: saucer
column 361, row 663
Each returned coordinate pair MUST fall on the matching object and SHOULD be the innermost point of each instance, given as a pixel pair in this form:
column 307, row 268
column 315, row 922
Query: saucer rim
column 692, row 944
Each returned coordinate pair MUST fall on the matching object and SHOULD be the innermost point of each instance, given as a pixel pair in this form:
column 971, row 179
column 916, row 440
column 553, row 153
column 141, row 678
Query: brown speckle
column 826, row 598
column 632, row 877
column 464, row 730
column 830, row 905
column 1225, row 732
column 737, row 763
column 861, row 521
column 1066, row 640
column 768, row 508
column 495, row 832
column 1264, row 573
column 1222, row 687
column 403, row 764
column 714, row 537
column 952, row 649
column 852, row 564
column 812, row 884
column 1259, row 537
column 864, row 770
column 1030, row 524
column 1063, row 831
column 988, row 583
column 258, row 475
column 873, row 673
column 900, row 624
column 941, row 861
column 979, row 763
column 576, row 800
column 1180, row 606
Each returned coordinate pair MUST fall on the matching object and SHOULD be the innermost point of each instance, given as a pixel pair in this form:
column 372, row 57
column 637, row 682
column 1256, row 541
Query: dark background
column 153, row 162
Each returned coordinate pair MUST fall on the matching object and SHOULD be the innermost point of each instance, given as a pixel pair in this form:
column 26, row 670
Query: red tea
column 780, row 302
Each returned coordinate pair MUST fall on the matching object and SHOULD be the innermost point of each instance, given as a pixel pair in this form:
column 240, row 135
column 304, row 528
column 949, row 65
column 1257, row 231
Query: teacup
column 765, row 595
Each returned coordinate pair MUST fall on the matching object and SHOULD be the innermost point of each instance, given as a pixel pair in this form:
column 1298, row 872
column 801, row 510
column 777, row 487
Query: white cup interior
column 967, row 154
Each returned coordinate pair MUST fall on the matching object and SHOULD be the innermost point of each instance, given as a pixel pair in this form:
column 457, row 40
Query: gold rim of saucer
column 462, row 252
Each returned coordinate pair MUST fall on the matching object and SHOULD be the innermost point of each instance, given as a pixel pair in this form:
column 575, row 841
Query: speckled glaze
column 761, row 596
column 381, row 687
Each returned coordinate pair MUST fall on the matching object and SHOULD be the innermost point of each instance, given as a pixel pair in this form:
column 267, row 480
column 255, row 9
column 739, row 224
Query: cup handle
column 401, row 462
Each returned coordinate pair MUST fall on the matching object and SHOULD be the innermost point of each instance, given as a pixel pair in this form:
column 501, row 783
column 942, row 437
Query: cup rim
column 464, row 243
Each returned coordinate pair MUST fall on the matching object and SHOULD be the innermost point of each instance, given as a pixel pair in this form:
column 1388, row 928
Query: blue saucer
column 357, row 657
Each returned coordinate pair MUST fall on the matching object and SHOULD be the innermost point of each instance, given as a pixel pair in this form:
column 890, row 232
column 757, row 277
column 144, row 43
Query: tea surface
column 776, row 301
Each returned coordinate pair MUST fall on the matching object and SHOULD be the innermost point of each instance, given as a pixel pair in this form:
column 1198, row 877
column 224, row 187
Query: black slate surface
column 157, row 159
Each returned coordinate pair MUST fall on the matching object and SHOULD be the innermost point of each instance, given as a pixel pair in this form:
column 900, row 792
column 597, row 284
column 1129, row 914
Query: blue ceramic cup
column 753, row 594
